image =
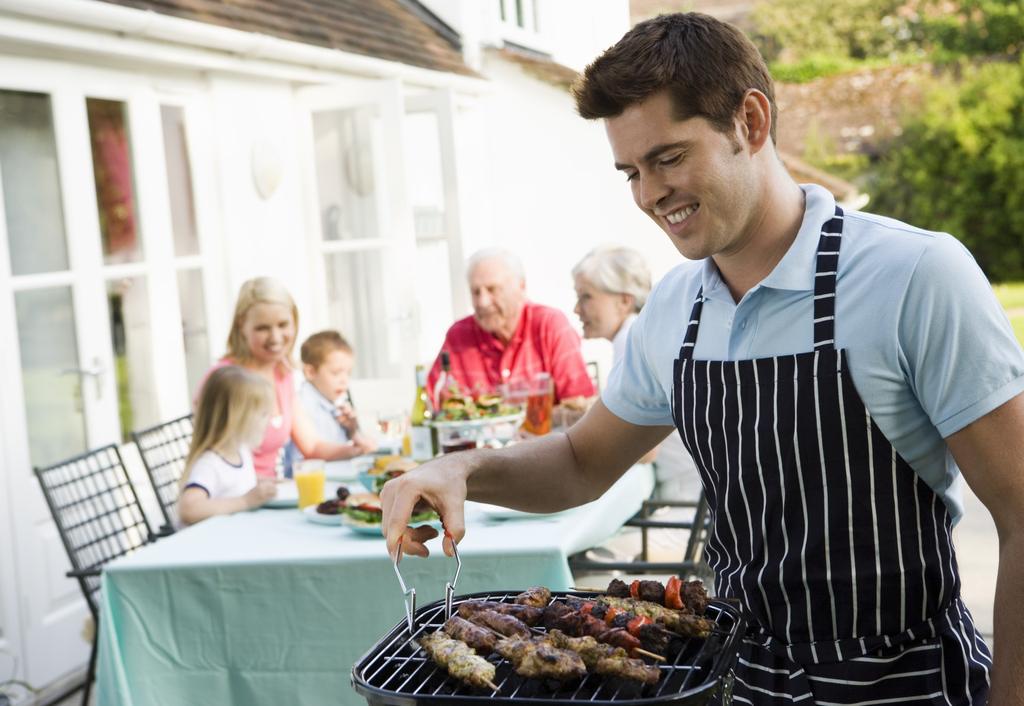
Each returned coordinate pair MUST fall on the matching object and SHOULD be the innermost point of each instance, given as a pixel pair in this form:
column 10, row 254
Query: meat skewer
column 541, row 660
column 506, row 625
column 680, row 623
column 459, row 660
column 690, row 596
column 605, row 659
column 653, row 636
column 559, row 616
column 537, row 596
column 530, row 615
column 479, row 638
column 597, row 657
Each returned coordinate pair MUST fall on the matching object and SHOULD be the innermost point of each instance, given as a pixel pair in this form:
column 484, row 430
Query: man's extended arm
column 548, row 474
column 990, row 453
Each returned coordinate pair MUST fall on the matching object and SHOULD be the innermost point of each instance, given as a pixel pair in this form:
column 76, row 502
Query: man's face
column 498, row 296
column 695, row 182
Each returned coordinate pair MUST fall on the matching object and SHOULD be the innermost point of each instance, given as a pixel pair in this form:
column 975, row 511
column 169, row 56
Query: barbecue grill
column 397, row 672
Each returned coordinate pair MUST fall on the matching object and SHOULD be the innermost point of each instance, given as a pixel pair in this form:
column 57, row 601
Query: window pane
column 30, row 183
column 49, row 357
column 425, row 178
column 357, row 302
column 115, row 182
column 132, row 344
column 179, row 181
column 193, row 326
column 346, row 143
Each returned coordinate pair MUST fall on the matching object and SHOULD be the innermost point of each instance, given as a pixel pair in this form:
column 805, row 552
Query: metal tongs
column 409, row 594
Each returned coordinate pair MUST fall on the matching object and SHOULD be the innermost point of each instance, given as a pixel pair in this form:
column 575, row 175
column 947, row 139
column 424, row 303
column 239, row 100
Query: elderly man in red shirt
column 509, row 339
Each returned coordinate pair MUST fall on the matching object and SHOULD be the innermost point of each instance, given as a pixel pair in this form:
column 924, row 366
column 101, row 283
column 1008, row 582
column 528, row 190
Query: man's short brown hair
column 706, row 65
column 317, row 347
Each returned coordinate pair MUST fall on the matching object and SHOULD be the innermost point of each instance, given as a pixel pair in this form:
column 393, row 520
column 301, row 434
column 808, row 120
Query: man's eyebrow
column 656, row 151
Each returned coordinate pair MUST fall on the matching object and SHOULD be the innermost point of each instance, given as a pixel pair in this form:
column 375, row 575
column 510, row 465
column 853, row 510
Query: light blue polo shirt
column 930, row 349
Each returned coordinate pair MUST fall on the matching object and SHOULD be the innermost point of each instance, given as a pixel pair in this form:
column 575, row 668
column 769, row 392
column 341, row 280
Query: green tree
column 795, row 30
column 975, row 28
column 959, row 166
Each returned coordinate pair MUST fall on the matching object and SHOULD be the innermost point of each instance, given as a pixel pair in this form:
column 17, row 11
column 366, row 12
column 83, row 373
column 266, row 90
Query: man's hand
column 441, row 483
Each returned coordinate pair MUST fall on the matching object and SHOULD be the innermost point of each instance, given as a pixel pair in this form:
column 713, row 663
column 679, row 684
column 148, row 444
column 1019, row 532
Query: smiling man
column 509, row 339
column 832, row 374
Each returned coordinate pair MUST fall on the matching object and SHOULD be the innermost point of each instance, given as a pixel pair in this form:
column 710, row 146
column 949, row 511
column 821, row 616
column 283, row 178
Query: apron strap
column 826, row 269
column 690, row 339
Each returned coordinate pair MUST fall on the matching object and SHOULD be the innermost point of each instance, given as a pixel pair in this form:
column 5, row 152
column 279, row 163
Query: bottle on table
column 422, row 436
column 446, row 386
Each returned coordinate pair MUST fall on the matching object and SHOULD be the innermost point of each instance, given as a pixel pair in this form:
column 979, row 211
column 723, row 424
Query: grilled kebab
column 530, row 615
column 458, row 660
column 690, row 596
column 678, row 622
column 506, row 625
column 479, row 638
column 605, row 659
column 539, row 659
column 538, row 597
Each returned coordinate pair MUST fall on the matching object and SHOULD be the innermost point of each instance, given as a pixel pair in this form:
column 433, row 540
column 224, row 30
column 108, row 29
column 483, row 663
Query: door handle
column 95, row 371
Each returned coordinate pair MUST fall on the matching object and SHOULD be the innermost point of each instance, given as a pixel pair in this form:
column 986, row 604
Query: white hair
column 506, row 257
column 616, row 270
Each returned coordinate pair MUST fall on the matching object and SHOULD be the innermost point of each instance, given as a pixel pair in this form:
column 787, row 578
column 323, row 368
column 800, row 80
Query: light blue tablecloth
column 267, row 608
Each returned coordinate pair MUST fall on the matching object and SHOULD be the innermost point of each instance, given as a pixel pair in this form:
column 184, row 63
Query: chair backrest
column 163, row 449
column 97, row 513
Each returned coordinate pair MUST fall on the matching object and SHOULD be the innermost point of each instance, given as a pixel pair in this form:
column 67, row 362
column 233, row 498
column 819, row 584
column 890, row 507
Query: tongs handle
column 409, row 593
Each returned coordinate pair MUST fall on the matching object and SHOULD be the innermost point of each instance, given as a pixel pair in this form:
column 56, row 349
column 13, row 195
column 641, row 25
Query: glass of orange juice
column 309, row 480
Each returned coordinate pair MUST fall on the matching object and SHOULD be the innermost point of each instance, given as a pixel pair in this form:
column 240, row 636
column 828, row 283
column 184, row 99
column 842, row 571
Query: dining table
column 267, row 607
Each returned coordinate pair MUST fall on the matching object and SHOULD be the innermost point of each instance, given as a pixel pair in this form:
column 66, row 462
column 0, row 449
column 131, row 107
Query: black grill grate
column 396, row 671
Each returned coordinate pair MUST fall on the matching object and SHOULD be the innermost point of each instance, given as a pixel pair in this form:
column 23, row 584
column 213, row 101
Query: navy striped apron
column 839, row 553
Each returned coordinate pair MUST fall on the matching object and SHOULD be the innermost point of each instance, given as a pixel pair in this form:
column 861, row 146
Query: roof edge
column 434, row 21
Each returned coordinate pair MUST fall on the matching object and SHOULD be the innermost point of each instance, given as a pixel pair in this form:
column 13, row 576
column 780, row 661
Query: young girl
column 231, row 417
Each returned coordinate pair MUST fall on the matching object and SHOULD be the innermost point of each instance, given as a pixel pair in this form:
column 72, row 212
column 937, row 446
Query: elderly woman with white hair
column 612, row 284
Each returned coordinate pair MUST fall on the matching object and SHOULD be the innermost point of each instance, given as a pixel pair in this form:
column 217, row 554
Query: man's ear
column 755, row 119
column 308, row 370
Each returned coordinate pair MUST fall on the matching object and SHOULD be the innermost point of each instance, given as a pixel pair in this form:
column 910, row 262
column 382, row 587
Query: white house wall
column 552, row 193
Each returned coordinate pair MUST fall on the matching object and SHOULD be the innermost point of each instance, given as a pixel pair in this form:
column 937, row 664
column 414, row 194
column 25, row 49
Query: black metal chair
column 691, row 563
column 99, row 518
column 163, row 449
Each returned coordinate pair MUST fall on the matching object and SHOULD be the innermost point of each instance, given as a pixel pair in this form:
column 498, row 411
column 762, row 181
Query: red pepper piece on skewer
column 672, row 597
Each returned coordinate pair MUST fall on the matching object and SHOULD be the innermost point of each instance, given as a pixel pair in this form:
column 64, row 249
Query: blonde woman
column 219, row 477
column 261, row 341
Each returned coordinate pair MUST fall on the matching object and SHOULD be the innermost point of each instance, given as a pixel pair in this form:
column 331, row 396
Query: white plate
column 497, row 512
column 287, row 495
column 320, row 519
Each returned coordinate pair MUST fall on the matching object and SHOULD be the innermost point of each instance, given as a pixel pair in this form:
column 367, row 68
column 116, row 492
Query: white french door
column 101, row 274
column 360, row 226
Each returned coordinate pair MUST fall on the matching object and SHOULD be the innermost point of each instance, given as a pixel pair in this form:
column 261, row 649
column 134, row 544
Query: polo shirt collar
column 795, row 270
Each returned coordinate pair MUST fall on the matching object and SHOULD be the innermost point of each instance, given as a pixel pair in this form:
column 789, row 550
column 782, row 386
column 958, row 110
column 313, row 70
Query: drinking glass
column 309, row 480
column 539, row 404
